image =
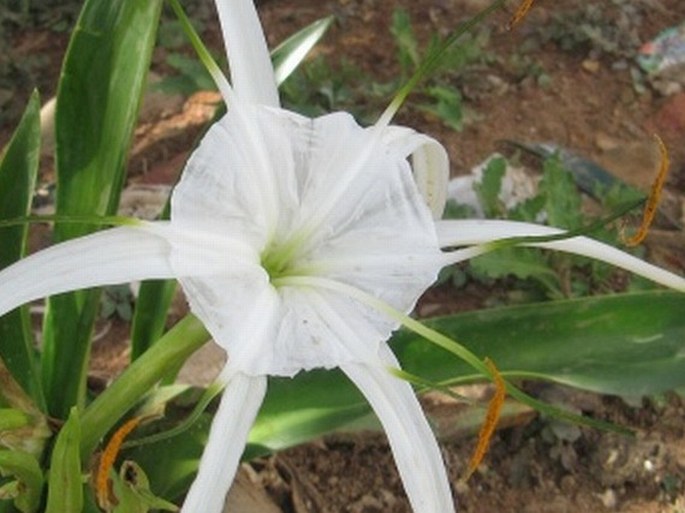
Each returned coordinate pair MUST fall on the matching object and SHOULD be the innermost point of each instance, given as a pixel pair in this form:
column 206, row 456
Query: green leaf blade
column 102, row 81
column 65, row 487
column 627, row 344
column 18, row 169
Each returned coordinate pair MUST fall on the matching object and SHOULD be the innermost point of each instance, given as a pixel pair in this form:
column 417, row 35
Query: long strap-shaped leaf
column 18, row 168
column 99, row 93
column 628, row 344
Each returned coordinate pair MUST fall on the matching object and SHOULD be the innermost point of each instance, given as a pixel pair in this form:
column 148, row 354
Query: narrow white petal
column 227, row 437
column 414, row 447
column 470, row 232
column 430, row 164
column 248, row 56
column 108, row 257
column 204, row 249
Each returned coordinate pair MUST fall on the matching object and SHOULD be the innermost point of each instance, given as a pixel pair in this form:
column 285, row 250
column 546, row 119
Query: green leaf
column 629, row 344
column 102, row 81
column 309, row 405
column 528, row 210
column 174, row 347
column 26, row 490
column 407, row 47
column 523, row 263
column 132, row 489
column 12, row 419
column 18, row 168
column 625, row 344
column 65, row 486
column 490, row 186
column 562, row 200
column 171, row 464
column 150, row 314
column 23, row 427
column 447, row 106
column 192, row 76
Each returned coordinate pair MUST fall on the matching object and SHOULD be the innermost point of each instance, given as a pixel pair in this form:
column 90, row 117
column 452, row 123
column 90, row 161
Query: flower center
column 278, row 259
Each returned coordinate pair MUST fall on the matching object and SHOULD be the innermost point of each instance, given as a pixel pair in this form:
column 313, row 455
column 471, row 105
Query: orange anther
column 491, row 419
column 654, row 197
column 109, row 456
column 520, row 13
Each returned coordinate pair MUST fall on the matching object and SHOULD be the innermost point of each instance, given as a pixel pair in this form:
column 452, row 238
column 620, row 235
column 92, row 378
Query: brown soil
column 589, row 106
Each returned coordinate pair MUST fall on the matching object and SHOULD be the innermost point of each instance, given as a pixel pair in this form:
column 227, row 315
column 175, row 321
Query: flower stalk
column 174, row 348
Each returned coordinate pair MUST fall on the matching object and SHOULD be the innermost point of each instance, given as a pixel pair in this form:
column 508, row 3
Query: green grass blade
column 102, row 80
column 18, row 169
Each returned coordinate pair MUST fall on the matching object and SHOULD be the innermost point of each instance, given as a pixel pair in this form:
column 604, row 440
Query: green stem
column 172, row 349
column 74, row 219
column 201, row 50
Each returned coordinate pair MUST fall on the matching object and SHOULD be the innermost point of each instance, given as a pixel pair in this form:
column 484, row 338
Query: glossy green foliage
column 65, row 486
column 103, row 77
column 18, row 168
column 626, row 344
column 26, row 480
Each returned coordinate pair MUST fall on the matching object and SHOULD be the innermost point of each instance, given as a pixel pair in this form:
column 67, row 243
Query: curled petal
column 430, row 164
column 117, row 255
column 413, row 445
column 251, row 71
column 227, row 437
column 474, row 232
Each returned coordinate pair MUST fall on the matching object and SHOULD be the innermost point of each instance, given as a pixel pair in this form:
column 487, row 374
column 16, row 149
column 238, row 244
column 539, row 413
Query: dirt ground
column 526, row 86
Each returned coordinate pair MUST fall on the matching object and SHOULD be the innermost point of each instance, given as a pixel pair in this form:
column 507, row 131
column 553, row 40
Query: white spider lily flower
column 270, row 197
